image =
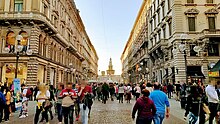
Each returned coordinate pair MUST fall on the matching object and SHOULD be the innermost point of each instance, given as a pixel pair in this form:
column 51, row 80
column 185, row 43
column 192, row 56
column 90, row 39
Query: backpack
column 29, row 93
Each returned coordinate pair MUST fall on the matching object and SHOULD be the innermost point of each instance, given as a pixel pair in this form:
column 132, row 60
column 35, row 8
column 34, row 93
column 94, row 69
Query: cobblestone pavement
column 110, row 113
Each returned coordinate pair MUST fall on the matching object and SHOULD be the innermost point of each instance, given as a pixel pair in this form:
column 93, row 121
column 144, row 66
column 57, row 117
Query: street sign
column 214, row 74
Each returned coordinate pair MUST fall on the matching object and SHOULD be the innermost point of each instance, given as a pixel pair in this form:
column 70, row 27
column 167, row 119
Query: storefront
column 41, row 73
column 8, row 72
column 214, row 72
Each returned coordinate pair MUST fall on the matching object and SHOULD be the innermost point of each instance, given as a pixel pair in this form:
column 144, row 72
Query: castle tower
column 110, row 70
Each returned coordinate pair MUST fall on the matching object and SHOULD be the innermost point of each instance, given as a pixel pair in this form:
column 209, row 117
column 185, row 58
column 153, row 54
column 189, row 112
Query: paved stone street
column 110, row 113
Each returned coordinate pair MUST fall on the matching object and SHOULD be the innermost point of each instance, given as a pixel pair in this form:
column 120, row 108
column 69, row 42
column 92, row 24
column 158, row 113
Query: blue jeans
column 84, row 111
column 158, row 118
column 59, row 112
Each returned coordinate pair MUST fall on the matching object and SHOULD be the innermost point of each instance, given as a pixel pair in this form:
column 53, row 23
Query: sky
column 108, row 24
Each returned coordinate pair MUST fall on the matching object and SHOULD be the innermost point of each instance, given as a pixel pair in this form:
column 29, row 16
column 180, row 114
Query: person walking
column 169, row 90
column 99, row 92
column 77, row 109
column 59, row 102
column 149, row 87
column 145, row 107
column 112, row 91
column 137, row 90
column 69, row 96
column 2, row 104
column 105, row 92
column 42, row 98
column 178, row 89
column 25, row 94
column 121, row 93
column 8, row 101
column 128, row 90
column 161, row 101
column 85, row 91
column 212, row 99
column 195, row 105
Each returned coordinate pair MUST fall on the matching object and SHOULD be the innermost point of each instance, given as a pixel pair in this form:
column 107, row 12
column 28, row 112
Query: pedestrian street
column 110, row 113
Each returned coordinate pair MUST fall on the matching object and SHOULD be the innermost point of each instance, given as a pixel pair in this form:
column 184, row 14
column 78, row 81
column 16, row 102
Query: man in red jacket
column 69, row 96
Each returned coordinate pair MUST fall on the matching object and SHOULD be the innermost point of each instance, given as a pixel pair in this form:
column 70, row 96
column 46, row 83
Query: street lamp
column 19, row 49
column 182, row 49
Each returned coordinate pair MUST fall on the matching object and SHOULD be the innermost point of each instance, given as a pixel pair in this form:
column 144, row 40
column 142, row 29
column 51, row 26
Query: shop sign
column 214, row 74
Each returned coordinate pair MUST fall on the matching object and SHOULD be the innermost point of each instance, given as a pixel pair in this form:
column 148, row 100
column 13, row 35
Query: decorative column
column 48, row 73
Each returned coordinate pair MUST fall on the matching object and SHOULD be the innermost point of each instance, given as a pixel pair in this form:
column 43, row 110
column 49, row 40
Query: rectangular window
column 164, row 32
column 18, row 5
column 159, row 35
column 211, row 21
column 55, row 21
column 192, row 52
column 191, row 23
column 190, row 1
column 154, row 7
column 163, row 11
column 155, row 22
column 170, row 28
column 209, row 1
column 151, row 28
column 168, row 3
column 46, row 10
column 158, row 15
column 213, row 50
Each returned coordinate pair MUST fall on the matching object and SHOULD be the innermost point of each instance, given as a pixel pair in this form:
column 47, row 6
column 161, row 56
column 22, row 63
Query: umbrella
column 92, row 81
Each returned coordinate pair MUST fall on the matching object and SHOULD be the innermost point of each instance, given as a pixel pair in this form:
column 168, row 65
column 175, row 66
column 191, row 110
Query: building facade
column 183, row 39
column 51, row 33
column 134, row 57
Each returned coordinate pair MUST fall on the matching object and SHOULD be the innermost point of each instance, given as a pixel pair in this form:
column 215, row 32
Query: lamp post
column 182, row 49
column 19, row 49
column 147, row 72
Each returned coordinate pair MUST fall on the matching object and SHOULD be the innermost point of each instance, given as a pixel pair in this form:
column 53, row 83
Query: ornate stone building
column 182, row 40
column 134, row 57
column 53, row 40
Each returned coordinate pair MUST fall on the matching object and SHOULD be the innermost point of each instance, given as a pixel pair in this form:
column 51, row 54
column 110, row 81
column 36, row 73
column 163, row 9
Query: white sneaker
column 22, row 116
column 26, row 115
column 60, row 123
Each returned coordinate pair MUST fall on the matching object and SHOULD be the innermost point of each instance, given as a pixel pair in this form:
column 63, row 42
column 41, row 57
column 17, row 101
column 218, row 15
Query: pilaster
column 32, row 66
column 34, row 40
column 48, row 74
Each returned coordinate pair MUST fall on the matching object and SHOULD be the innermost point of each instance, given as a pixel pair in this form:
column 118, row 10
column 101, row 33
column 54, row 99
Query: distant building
column 110, row 74
column 110, row 70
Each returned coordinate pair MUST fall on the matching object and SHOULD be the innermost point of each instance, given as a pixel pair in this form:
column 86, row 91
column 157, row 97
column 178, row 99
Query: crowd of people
column 201, row 103
column 73, row 101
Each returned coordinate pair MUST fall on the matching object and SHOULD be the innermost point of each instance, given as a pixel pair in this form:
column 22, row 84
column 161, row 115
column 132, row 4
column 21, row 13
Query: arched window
column 10, row 41
column 24, row 41
column 40, row 47
column 18, row 5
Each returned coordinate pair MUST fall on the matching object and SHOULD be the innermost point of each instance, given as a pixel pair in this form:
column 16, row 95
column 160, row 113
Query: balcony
column 211, row 33
column 161, row 44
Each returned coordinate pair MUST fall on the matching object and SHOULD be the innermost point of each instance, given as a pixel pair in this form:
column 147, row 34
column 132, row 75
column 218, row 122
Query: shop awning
column 216, row 67
column 195, row 74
